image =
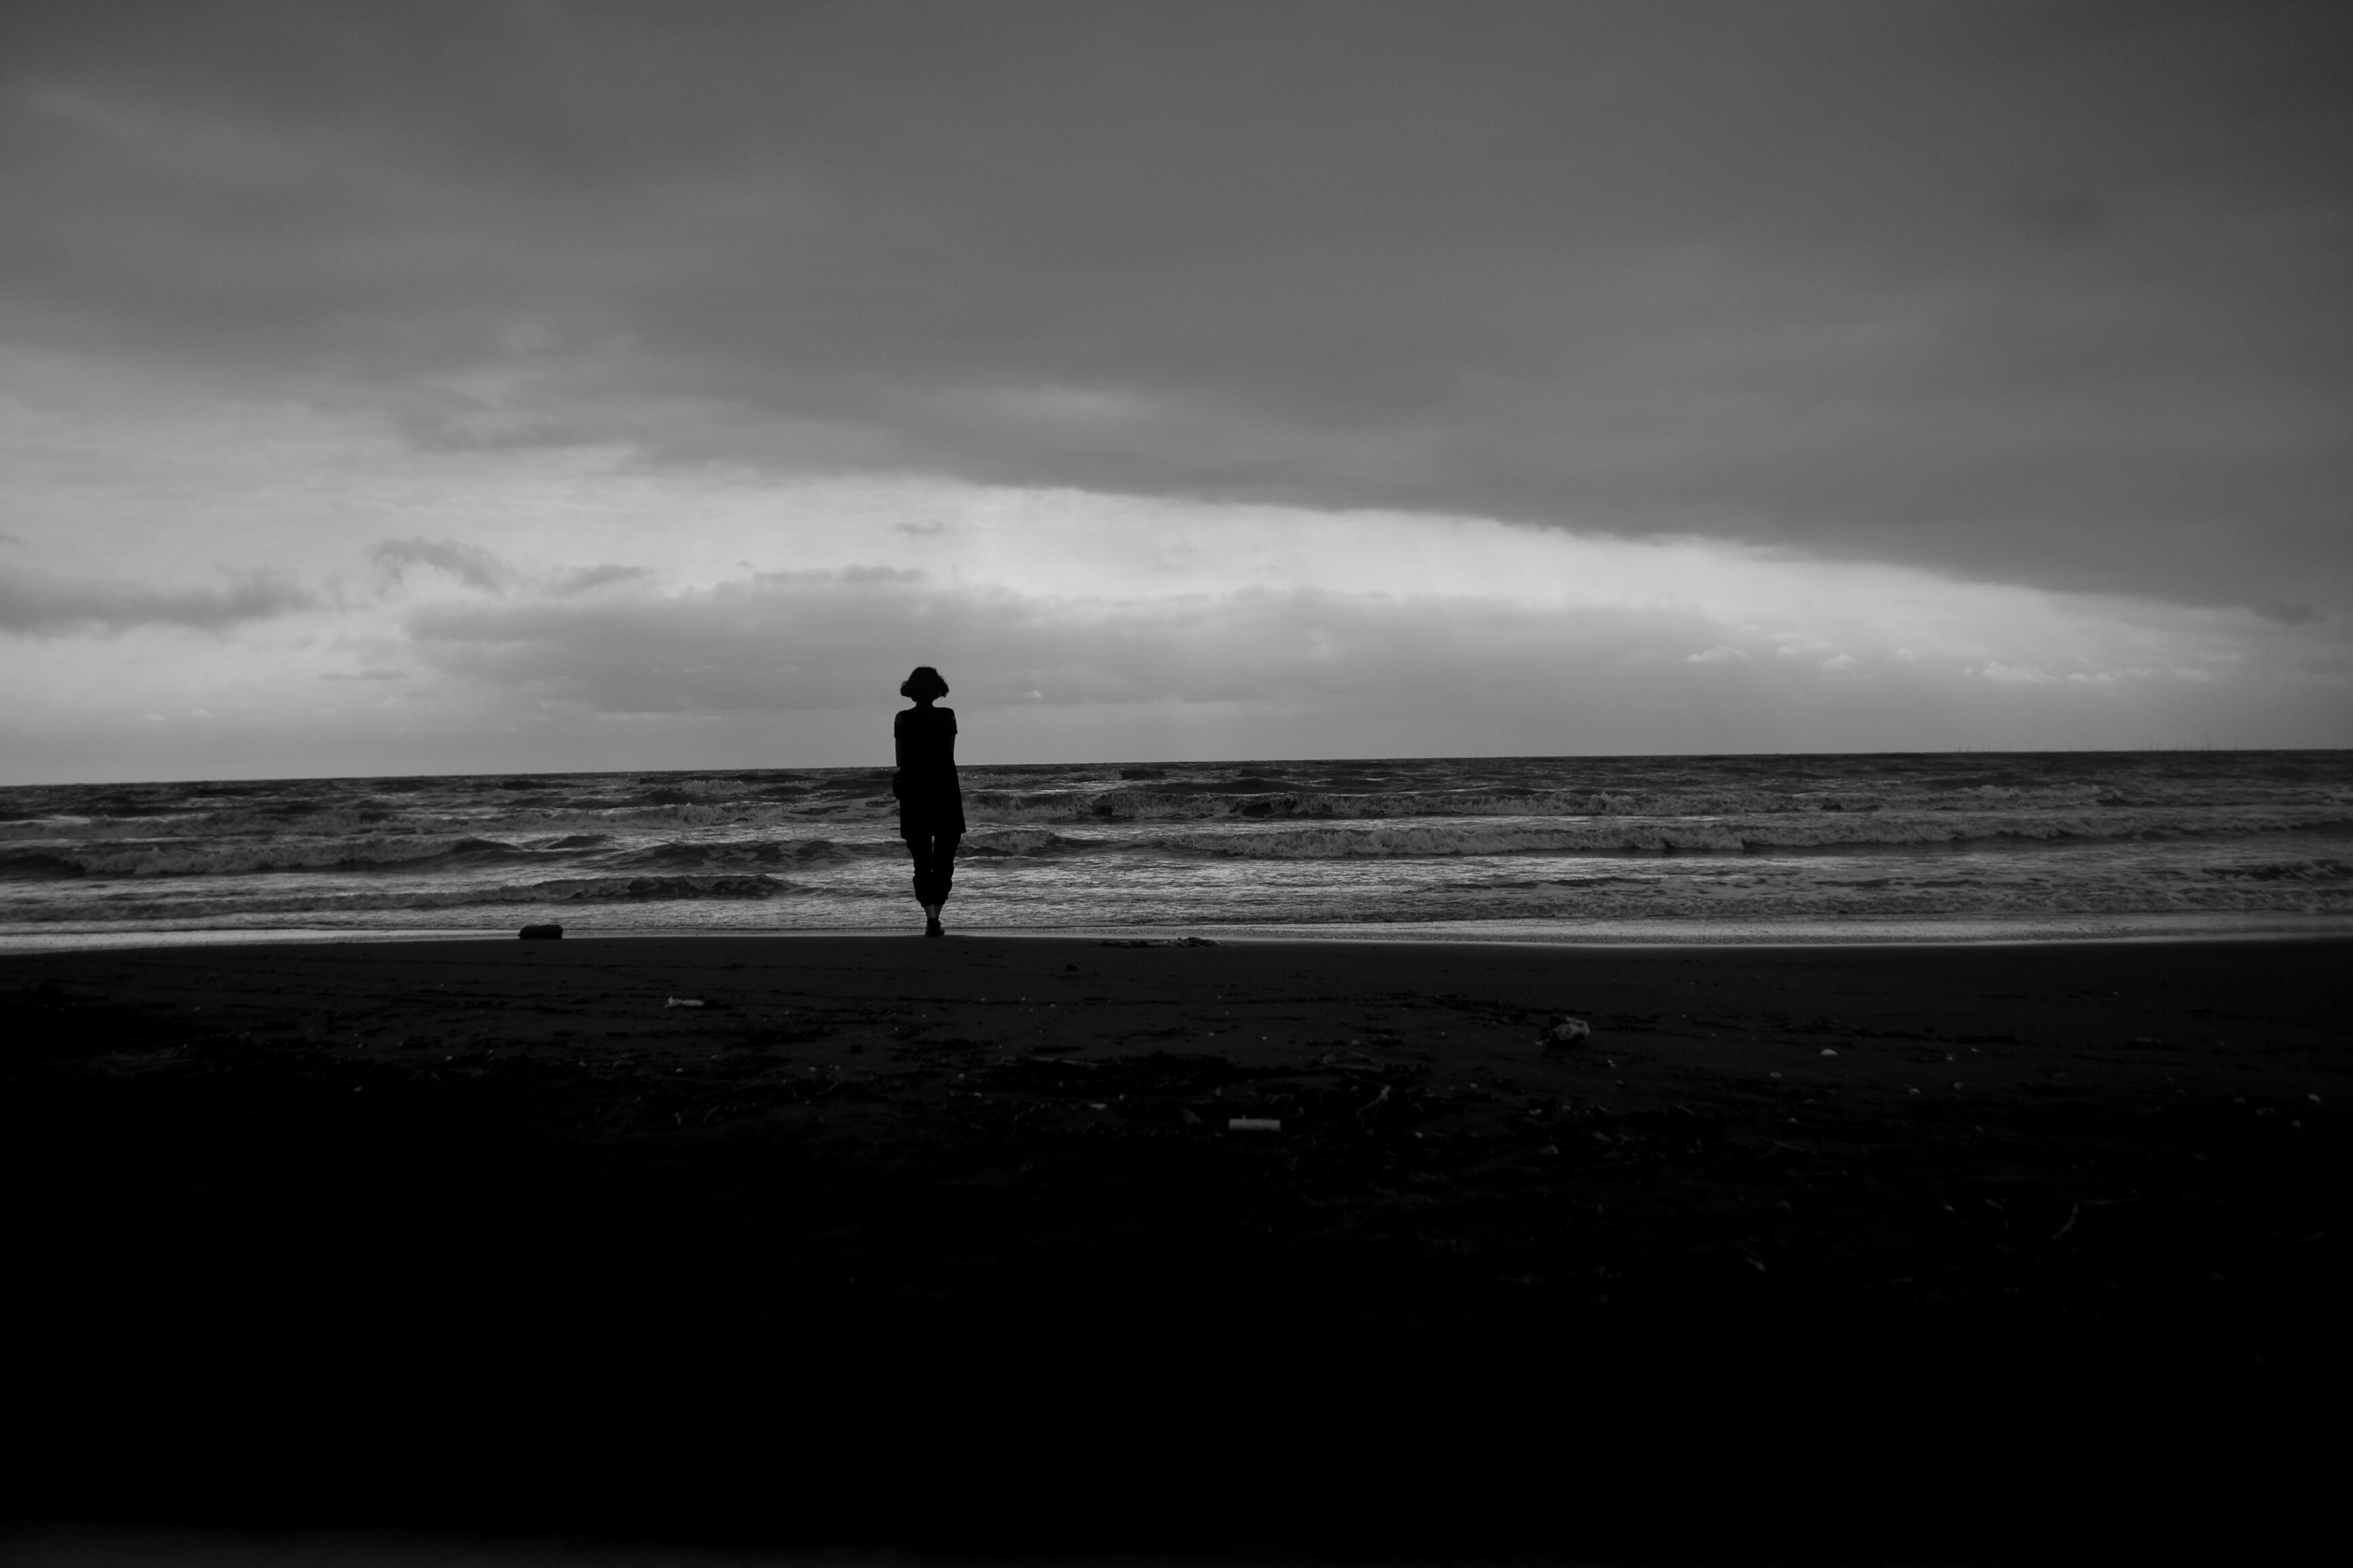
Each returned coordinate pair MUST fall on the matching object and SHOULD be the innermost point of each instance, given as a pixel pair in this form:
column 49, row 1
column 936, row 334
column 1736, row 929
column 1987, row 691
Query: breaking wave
column 2317, row 870
column 182, row 857
column 1888, row 830
column 747, row 855
column 327, row 903
column 1159, row 804
column 580, row 890
column 1021, row 841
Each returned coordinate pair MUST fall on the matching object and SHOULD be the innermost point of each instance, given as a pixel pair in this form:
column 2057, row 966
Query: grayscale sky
column 424, row 387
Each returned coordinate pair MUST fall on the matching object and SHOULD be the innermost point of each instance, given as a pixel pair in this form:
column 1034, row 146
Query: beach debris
column 683, row 1001
column 1253, row 1124
column 542, row 932
column 1828, row 1051
column 1561, row 1029
column 1192, row 941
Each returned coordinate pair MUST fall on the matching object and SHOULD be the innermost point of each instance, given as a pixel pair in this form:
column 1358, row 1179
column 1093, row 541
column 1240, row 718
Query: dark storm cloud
column 2049, row 294
column 38, row 604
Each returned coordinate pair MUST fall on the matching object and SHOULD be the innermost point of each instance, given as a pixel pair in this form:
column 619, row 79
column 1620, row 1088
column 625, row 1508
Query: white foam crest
column 1820, row 830
column 577, row 890
column 1129, row 805
column 370, row 820
column 1441, row 838
column 555, row 890
column 746, row 854
column 357, row 820
column 38, row 828
column 1020, row 841
column 741, row 813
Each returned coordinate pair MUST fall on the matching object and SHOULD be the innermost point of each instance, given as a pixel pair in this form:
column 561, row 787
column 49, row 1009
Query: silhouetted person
column 931, row 806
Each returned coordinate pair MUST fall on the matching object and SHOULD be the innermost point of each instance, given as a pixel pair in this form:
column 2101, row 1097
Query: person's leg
column 919, row 850
column 933, row 854
column 944, row 853
column 935, row 865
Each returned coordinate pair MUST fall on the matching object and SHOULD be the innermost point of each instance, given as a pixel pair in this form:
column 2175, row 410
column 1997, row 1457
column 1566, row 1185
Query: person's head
column 924, row 685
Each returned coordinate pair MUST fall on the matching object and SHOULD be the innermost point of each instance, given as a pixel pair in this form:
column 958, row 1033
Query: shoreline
column 1799, row 934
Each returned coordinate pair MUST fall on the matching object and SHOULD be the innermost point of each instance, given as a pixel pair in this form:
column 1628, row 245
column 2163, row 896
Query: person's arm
column 898, row 741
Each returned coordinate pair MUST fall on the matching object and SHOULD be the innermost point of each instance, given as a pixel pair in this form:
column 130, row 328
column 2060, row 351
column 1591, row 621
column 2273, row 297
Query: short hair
column 924, row 682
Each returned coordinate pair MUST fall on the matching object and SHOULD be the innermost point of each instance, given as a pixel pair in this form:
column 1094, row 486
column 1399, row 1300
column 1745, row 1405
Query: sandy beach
column 1003, row 1245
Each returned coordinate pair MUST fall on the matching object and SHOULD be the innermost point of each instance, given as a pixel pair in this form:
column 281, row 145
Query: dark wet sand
column 948, row 1246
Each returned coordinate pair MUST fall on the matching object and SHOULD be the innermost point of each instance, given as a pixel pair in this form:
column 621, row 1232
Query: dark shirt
column 927, row 790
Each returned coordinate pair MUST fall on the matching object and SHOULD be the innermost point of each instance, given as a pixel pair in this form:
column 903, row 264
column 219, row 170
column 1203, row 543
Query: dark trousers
column 935, row 855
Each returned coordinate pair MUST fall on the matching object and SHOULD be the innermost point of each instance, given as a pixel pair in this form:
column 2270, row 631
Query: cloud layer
column 2050, row 297
column 1245, row 632
column 494, row 384
column 39, row 603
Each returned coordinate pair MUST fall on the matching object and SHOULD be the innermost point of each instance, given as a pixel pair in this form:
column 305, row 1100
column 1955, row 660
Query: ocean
column 1967, row 846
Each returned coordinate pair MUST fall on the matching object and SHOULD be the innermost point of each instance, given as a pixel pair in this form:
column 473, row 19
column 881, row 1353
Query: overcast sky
column 416, row 388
